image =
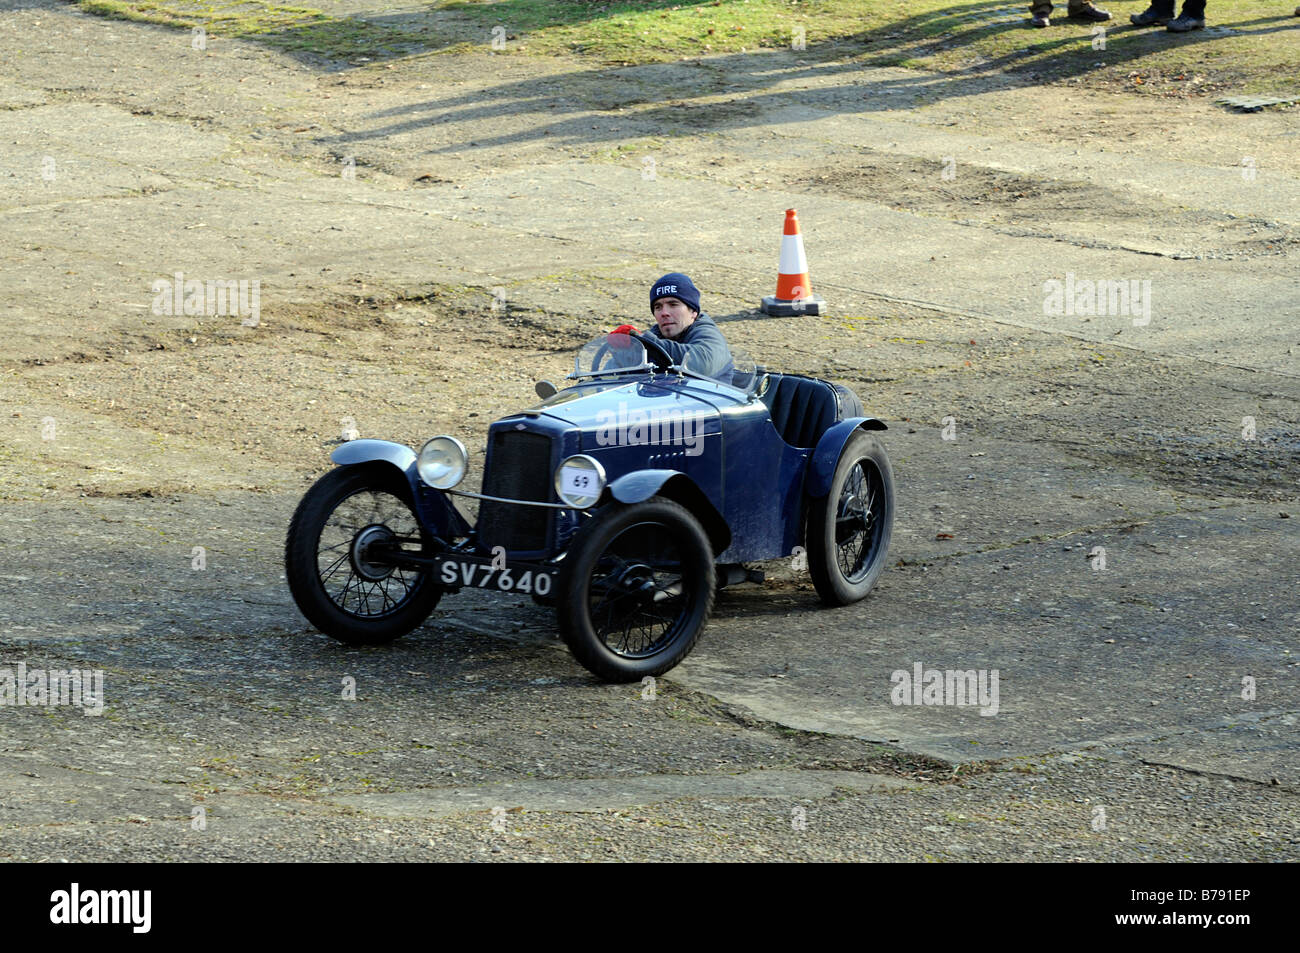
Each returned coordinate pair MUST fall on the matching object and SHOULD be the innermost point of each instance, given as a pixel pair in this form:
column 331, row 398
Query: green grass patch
column 294, row 29
column 655, row 30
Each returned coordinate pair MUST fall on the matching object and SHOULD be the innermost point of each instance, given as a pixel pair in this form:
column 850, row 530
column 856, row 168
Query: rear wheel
column 849, row 529
column 635, row 589
column 335, row 557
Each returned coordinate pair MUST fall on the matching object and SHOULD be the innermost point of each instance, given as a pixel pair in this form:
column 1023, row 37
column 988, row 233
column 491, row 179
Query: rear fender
column 821, row 468
column 434, row 507
column 678, row 487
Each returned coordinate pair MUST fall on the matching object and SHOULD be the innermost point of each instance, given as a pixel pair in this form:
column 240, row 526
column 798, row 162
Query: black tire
column 636, row 589
column 849, row 529
column 338, row 590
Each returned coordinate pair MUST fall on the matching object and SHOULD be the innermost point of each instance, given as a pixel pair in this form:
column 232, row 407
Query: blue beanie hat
column 675, row 285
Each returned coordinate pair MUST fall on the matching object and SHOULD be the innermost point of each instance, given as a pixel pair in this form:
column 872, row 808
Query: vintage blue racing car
column 625, row 500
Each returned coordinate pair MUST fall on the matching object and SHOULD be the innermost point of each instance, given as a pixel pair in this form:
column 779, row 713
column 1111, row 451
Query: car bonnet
column 592, row 406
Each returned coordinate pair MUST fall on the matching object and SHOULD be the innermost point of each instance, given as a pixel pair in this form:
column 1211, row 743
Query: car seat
column 804, row 408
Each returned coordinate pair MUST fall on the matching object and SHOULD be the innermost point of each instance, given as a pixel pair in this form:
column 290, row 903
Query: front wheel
column 335, row 557
column 849, row 529
column 635, row 589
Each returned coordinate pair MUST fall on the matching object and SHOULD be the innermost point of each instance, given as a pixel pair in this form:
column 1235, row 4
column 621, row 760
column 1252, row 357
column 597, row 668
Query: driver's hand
column 620, row 336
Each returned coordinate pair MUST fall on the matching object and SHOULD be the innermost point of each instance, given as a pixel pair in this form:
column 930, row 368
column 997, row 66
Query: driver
column 690, row 336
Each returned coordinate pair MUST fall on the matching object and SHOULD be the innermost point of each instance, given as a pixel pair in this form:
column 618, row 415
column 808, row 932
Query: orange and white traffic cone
column 793, row 289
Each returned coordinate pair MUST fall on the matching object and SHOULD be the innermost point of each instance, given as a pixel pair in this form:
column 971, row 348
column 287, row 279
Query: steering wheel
column 601, row 353
column 654, row 350
column 658, row 356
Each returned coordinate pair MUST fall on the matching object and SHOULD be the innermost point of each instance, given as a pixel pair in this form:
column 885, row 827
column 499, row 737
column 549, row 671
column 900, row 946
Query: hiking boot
column 1185, row 24
column 1091, row 13
column 1149, row 17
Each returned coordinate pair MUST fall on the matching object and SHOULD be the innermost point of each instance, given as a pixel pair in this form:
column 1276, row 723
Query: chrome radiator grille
column 518, row 468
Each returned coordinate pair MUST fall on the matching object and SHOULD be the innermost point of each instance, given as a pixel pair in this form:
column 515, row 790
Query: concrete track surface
column 1099, row 507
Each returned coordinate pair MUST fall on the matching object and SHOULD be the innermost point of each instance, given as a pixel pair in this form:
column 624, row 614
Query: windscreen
column 608, row 354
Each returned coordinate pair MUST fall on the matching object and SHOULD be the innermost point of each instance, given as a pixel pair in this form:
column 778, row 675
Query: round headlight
column 442, row 462
column 579, row 481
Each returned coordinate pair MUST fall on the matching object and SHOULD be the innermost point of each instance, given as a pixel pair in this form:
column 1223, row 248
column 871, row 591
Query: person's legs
column 1084, row 10
column 1040, row 8
column 1160, row 11
column 1192, row 17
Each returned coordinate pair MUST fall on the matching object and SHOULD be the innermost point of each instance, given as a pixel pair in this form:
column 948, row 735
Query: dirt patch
column 280, row 397
column 1205, row 430
column 1088, row 213
column 287, row 391
column 984, row 195
column 710, row 115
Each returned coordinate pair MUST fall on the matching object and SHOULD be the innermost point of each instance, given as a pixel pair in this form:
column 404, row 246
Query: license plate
column 472, row 574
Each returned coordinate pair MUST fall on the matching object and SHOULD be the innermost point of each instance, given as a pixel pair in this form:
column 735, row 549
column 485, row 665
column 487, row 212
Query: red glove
column 619, row 336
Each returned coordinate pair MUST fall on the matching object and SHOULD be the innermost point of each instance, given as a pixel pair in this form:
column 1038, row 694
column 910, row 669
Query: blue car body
column 742, row 473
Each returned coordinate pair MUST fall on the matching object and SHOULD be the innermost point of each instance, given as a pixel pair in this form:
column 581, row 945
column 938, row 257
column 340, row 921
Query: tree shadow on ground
column 875, row 69
column 678, row 89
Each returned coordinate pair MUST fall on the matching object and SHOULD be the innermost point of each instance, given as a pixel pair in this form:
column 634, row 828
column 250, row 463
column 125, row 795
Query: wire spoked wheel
column 849, row 529
column 349, row 557
column 859, row 520
column 337, row 557
column 636, row 608
column 636, row 589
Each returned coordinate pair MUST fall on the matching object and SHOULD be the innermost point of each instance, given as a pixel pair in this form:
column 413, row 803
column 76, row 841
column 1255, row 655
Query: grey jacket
column 701, row 348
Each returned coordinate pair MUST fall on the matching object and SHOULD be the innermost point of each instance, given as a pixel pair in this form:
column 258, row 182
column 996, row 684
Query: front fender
column 641, row 485
column 678, row 487
column 821, row 468
column 375, row 451
column 434, row 507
